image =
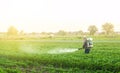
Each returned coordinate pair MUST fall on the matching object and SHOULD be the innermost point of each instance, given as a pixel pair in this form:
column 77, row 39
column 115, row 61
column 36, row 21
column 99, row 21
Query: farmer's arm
column 84, row 44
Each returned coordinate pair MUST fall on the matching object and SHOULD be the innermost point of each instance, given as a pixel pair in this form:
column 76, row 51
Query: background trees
column 92, row 29
column 12, row 31
column 61, row 32
column 108, row 28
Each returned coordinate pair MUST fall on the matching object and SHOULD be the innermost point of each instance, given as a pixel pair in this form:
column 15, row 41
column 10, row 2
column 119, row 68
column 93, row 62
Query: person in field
column 87, row 44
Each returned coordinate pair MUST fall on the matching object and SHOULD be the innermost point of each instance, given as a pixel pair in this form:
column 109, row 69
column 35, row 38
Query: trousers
column 87, row 50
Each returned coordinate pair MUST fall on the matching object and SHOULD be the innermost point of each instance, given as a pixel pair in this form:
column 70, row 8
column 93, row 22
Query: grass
column 33, row 57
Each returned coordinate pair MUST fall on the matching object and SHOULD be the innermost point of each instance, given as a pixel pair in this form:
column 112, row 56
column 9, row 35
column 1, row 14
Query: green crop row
column 33, row 56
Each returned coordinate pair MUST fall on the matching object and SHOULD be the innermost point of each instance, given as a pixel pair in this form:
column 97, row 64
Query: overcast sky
column 54, row 15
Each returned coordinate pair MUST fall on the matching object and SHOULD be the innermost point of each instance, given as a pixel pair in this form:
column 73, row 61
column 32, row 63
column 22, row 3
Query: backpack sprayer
column 89, row 43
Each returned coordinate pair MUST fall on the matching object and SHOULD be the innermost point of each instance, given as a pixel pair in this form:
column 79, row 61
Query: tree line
column 108, row 28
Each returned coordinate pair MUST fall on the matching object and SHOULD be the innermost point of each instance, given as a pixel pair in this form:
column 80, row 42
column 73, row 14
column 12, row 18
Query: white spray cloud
column 29, row 49
column 62, row 50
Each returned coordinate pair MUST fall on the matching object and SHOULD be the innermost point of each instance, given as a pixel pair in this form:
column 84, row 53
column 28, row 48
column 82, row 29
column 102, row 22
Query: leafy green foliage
column 32, row 57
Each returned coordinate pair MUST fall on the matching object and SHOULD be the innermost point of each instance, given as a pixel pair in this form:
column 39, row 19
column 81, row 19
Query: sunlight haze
column 55, row 15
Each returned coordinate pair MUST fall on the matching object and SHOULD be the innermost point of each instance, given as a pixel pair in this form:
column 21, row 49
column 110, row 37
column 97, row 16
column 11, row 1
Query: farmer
column 86, row 45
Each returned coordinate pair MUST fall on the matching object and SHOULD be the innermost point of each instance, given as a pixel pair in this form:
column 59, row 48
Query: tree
column 108, row 28
column 80, row 32
column 92, row 29
column 61, row 32
column 12, row 31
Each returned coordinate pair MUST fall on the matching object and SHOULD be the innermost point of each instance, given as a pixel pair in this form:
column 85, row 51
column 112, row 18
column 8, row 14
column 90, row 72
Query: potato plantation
column 43, row 56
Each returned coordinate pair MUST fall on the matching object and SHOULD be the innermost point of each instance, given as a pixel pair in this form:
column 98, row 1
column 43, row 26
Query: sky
column 55, row 15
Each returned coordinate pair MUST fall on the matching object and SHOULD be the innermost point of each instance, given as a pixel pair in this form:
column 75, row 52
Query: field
column 56, row 56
